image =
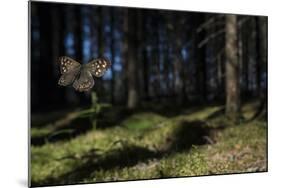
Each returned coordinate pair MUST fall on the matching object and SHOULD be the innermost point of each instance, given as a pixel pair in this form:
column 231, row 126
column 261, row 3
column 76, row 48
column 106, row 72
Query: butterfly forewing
column 81, row 75
column 69, row 69
column 68, row 65
column 98, row 67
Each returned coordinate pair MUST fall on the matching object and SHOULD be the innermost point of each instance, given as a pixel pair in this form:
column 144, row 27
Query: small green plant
column 96, row 108
column 93, row 112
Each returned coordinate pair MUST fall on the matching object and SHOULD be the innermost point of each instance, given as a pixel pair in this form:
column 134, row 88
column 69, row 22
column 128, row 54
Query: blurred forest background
column 170, row 69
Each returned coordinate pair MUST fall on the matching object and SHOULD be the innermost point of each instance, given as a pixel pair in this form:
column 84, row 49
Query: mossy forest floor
column 145, row 144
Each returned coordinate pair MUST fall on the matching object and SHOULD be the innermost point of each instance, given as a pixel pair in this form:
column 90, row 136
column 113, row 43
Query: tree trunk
column 261, row 40
column 78, row 35
column 141, row 54
column 245, row 70
column 100, row 32
column 262, row 51
column 144, row 56
column 258, row 56
column 100, row 44
column 156, row 57
column 46, row 56
column 178, row 65
column 178, row 72
column 200, row 57
column 112, row 20
column 240, row 46
column 58, row 48
column 167, row 68
column 56, row 39
column 232, row 69
column 132, row 61
column 145, row 74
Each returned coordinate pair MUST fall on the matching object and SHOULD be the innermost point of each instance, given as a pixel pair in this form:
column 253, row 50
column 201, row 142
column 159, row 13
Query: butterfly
column 81, row 75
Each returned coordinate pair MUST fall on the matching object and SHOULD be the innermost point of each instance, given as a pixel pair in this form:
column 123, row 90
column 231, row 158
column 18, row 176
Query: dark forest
column 180, row 82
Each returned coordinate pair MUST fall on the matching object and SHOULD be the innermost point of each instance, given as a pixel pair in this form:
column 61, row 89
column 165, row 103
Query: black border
column 145, row 8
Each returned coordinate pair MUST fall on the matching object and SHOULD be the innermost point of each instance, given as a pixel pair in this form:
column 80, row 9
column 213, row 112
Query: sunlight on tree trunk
column 232, row 69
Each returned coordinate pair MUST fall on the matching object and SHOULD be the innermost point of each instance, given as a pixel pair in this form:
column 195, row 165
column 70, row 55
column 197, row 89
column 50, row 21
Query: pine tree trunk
column 141, row 57
column 262, row 50
column 245, row 70
column 200, row 57
column 46, row 54
column 100, row 32
column 178, row 72
column 112, row 20
column 132, row 61
column 100, row 43
column 58, row 48
column 167, row 69
column 145, row 74
column 258, row 56
column 157, row 59
column 78, row 33
column 232, row 69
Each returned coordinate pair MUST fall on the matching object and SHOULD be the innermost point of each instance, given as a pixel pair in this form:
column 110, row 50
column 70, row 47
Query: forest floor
column 148, row 145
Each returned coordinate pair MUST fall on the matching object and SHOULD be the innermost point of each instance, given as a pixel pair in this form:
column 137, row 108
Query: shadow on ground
column 62, row 133
column 187, row 134
column 70, row 125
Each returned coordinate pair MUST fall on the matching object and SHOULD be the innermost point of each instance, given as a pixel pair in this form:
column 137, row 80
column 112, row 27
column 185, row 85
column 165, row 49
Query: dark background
column 186, row 94
column 157, row 55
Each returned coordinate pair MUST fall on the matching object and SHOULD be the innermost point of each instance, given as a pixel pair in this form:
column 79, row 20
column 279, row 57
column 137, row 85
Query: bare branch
column 210, row 21
column 210, row 37
column 242, row 21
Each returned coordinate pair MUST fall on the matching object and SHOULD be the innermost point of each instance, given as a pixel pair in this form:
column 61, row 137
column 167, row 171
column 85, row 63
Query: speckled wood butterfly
column 81, row 75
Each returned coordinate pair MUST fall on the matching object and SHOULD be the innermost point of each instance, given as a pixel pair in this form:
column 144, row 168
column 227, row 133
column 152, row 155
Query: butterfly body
column 81, row 75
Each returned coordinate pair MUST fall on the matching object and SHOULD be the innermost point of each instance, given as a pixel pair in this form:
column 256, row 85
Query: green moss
column 38, row 132
column 142, row 121
column 150, row 145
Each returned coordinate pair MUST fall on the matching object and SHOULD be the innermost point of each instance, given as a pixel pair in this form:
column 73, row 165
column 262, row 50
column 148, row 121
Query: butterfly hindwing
column 98, row 67
column 69, row 69
column 81, row 75
column 68, row 78
column 85, row 80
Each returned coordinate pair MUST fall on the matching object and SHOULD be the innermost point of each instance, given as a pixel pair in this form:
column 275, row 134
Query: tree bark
column 261, row 46
column 178, row 72
column 232, row 69
column 46, row 56
column 200, row 57
column 245, row 70
column 78, row 34
column 262, row 51
column 156, row 57
column 258, row 56
column 112, row 48
column 100, row 48
column 132, row 61
column 100, row 32
column 167, row 68
column 141, row 53
column 145, row 73
column 58, row 48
